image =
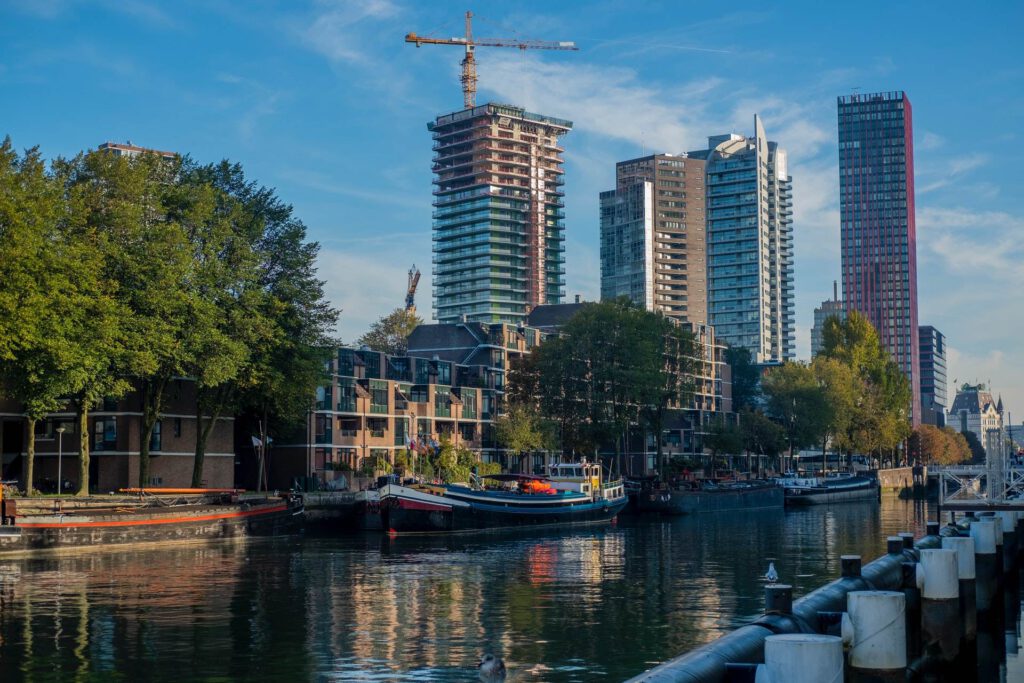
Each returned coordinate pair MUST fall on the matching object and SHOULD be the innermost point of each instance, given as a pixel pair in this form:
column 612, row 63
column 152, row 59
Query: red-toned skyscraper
column 876, row 205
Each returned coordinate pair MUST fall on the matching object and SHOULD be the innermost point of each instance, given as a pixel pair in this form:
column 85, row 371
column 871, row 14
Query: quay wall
column 897, row 478
column 746, row 644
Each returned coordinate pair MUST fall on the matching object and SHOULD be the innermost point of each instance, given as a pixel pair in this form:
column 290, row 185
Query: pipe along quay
column 941, row 608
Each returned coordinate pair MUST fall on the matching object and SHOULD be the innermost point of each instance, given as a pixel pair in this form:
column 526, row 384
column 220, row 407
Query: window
column 155, row 439
column 419, row 393
column 378, row 396
column 348, row 426
column 177, row 426
column 442, row 402
column 377, row 426
column 323, row 429
column 401, row 431
column 104, row 434
column 346, row 394
column 44, row 429
column 468, row 404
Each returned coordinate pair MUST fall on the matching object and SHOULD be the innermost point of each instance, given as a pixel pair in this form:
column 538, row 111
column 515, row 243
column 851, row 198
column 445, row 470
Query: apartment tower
column 498, row 217
column 877, row 233
column 750, row 244
column 653, row 238
column 933, row 376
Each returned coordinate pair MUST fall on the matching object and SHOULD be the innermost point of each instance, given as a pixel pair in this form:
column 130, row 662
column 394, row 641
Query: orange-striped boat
column 208, row 517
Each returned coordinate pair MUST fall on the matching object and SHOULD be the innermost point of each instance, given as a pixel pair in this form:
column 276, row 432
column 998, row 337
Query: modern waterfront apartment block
column 750, row 244
column 933, row 376
column 498, row 213
column 877, row 228
column 653, row 236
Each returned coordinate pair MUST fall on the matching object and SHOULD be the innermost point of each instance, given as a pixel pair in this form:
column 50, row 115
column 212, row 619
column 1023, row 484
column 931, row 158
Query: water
column 589, row 605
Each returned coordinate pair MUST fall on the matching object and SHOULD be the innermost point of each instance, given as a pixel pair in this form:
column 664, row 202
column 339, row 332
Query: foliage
column 798, row 401
column 522, row 430
column 760, row 434
column 745, row 377
column 932, row 445
column 723, row 436
column 975, row 447
column 881, row 395
column 134, row 271
column 614, row 365
column 391, row 333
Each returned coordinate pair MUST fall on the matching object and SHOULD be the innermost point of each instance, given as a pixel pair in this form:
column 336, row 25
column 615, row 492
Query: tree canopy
column 133, row 271
column 391, row 333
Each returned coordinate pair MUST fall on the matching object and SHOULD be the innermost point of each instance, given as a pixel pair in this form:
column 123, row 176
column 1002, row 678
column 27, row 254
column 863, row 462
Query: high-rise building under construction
column 498, row 213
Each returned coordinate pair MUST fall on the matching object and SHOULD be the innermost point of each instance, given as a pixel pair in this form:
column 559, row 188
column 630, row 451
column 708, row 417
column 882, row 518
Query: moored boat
column 207, row 519
column 710, row 497
column 834, row 488
column 573, row 494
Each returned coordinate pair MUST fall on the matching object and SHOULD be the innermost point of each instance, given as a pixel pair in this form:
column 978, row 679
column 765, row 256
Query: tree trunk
column 203, row 431
column 152, row 403
column 83, row 449
column 30, row 459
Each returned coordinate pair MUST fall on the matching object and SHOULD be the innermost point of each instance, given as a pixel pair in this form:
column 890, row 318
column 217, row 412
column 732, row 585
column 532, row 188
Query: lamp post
column 60, row 460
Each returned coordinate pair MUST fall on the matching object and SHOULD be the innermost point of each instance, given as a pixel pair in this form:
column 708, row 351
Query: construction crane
column 410, row 292
column 469, row 61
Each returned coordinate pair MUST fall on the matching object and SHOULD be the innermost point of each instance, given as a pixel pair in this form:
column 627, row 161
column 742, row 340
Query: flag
column 256, row 443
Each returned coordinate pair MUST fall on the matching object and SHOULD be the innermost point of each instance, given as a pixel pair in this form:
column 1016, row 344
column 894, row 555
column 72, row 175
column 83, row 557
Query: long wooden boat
column 841, row 488
column 96, row 527
column 710, row 497
column 510, row 501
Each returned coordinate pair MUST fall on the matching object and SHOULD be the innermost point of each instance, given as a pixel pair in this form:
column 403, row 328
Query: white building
column 975, row 411
column 750, row 244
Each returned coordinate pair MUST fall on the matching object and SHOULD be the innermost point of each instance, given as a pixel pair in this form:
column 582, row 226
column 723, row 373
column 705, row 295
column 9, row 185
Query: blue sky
column 325, row 102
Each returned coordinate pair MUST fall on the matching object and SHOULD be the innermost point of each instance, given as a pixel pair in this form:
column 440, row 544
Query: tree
column 975, row 447
column 879, row 421
column 797, row 400
column 932, row 445
column 723, row 436
column 391, row 333
column 760, row 434
column 611, row 367
column 745, row 377
column 841, row 389
column 521, row 430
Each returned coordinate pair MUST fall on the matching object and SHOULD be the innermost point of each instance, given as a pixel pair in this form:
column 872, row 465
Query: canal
column 589, row 605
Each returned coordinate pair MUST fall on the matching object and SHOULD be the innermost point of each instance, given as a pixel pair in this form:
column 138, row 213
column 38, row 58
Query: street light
column 60, row 460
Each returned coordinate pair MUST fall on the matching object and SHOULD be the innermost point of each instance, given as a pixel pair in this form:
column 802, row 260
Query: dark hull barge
column 728, row 497
column 96, row 528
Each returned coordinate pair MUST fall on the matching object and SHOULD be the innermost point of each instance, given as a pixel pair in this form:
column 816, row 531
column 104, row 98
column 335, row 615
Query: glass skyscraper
column 877, row 232
column 750, row 244
column 498, row 216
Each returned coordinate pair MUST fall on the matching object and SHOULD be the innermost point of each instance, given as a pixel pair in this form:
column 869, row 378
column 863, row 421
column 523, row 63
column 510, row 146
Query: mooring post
column 801, row 658
column 983, row 533
column 879, row 634
column 937, row 577
column 1007, row 520
column 778, row 599
column 908, row 545
column 967, row 575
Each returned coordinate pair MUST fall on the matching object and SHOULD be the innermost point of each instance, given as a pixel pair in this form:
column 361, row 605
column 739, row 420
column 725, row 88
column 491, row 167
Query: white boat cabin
column 583, row 477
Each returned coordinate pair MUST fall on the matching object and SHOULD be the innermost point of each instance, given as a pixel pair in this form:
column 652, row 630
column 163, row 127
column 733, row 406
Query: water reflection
column 596, row 604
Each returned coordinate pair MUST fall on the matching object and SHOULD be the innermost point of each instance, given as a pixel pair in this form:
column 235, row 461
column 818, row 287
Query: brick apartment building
column 115, row 430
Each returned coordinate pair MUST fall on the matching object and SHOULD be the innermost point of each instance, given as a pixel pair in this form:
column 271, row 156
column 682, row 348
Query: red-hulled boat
column 156, row 520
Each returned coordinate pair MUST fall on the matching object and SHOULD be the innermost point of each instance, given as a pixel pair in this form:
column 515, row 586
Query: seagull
column 771, row 576
column 491, row 668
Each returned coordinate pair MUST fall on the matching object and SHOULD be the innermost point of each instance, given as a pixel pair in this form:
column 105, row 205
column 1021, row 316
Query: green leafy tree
column 797, row 400
column 746, row 377
column 391, row 333
column 760, row 434
column 975, row 447
column 723, row 436
column 522, row 430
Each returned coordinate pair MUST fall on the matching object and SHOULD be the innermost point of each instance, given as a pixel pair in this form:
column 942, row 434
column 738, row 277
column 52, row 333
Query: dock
column 940, row 607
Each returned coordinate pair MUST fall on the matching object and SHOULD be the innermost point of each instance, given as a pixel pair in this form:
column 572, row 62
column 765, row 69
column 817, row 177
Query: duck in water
column 491, row 668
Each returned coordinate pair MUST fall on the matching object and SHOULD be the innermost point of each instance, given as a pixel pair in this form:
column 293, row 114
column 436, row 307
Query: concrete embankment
column 942, row 588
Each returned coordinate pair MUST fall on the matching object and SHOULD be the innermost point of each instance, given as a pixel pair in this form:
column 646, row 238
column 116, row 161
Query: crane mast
column 410, row 292
column 469, row 78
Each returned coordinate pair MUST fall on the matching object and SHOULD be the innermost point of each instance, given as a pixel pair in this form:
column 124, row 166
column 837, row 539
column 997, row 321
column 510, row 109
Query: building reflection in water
column 590, row 604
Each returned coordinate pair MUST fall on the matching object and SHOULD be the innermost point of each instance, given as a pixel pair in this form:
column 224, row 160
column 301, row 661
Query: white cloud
column 336, row 30
column 931, row 178
column 986, row 244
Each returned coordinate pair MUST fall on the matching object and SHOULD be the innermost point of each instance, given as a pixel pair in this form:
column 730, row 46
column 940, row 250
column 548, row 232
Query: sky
column 325, row 102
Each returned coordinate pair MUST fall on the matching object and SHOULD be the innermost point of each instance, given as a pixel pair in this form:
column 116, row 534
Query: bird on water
column 491, row 668
column 771, row 576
